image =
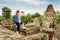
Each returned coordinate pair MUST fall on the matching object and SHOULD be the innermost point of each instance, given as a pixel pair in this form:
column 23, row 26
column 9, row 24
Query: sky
column 29, row 6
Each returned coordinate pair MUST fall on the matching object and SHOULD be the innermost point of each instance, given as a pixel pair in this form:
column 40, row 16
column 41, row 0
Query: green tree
column 58, row 17
column 24, row 19
column 1, row 18
column 6, row 12
column 36, row 15
column 29, row 18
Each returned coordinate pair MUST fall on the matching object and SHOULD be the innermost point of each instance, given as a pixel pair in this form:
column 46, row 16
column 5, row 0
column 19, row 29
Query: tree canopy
column 6, row 12
column 29, row 18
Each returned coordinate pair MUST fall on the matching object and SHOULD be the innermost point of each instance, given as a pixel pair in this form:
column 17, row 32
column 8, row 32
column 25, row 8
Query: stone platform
column 6, row 34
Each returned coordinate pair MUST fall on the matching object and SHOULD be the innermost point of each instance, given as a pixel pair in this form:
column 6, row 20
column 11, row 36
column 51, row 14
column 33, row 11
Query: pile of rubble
column 6, row 34
column 57, row 31
column 9, row 24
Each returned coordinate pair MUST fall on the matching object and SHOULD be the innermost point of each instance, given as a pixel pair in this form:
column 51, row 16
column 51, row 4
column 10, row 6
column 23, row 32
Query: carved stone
column 50, row 17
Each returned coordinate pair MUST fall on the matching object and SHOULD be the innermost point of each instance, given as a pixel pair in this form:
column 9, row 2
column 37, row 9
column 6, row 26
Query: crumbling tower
column 50, row 16
column 50, row 12
column 49, row 21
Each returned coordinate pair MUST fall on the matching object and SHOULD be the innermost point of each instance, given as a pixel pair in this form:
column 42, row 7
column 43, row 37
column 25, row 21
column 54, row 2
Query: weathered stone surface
column 38, row 21
column 31, row 29
column 50, row 16
column 55, row 38
column 28, row 28
column 6, row 34
column 39, row 36
column 9, row 24
column 50, row 11
column 57, row 31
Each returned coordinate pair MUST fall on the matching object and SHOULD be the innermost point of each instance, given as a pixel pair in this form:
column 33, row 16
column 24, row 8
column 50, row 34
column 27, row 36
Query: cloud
column 28, row 6
column 28, row 11
column 1, row 6
column 34, row 2
column 31, row 6
column 57, row 7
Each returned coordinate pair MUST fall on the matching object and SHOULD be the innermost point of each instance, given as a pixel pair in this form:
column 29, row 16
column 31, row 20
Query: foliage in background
column 1, row 18
column 29, row 18
column 6, row 12
column 58, row 17
column 36, row 15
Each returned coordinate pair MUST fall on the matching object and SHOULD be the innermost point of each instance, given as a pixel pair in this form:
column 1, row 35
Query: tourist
column 17, row 20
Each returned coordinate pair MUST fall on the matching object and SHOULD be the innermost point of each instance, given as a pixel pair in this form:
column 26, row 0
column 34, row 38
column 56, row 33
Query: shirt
column 15, row 18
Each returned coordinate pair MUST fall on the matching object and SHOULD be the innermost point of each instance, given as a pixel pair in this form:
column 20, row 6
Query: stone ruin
column 9, row 24
column 30, row 31
column 6, row 34
column 33, row 28
column 49, row 22
column 39, row 29
column 50, row 17
column 57, row 31
column 38, row 21
column 30, row 27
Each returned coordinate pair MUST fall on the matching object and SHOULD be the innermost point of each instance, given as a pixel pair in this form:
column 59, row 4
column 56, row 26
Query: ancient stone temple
column 38, row 21
column 32, row 28
column 49, row 22
column 50, row 12
column 50, row 16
